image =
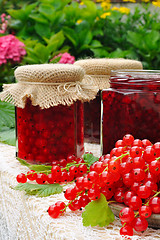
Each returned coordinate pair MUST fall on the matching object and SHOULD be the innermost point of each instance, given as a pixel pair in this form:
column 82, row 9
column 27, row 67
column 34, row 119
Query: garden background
column 50, row 31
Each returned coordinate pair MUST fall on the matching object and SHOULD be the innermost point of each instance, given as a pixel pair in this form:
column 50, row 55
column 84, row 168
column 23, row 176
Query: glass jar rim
column 134, row 71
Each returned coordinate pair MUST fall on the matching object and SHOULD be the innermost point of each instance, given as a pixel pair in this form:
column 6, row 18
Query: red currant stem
column 110, row 202
column 73, row 164
column 45, row 171
column 158, row 158
column 120, row 157
column 155, row 195
column 68, row 183
column 71, row 201
column 147, row 169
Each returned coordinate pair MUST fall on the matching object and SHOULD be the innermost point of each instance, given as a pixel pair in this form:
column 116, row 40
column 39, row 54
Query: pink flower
column 65, row 58
column 11, row 49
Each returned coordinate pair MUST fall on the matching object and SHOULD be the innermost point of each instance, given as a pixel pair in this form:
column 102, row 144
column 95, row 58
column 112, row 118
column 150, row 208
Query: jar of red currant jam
column 131, row 105
column 49, row 111
column 99, row 70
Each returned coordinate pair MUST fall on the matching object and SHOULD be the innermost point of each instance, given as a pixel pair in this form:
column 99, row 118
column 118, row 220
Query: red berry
column 41, row 178
column 128, row 139
column 155, row 204
column 135, row 202
column 31, row 175
column 140, row 224
column 135, row 151
column 149, row 154
column 126, row 230
column 144, row 191
column 126, row 214
column 145, row 211
column 138, row 174
column 70, row 193
column 94, row 193
column 54, row 211
column 21, row 178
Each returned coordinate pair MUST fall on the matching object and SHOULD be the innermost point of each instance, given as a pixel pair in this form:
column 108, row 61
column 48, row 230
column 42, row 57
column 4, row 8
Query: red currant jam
column 131, row 105
column 45, row 135
column 92, row 115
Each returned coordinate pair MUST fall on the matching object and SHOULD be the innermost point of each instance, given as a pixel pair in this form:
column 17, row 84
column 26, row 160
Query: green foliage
column 56, row 26
column 7, row 115
column 8, row 136
column 40, row 190
column 90, row 158
column 98, row 213
column 7, row 123
column 35, row 167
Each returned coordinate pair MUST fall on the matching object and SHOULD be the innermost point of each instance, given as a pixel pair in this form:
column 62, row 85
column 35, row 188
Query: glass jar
column 92, row 113
column 131, row 105
column 45, row 135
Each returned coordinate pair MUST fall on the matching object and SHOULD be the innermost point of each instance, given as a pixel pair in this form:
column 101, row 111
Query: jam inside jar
column 131, row 105
column 92, row 116
column 45, row 135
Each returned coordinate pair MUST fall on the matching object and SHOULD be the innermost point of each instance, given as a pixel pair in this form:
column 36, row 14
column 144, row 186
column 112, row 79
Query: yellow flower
column 81, row 3
column 97, row 18
column 124, row 10
column 115, row 9
column 145, row 1
column 104, row 15
column 79, row 21
column 133, row 1
column 157, row 3
column 106, row 5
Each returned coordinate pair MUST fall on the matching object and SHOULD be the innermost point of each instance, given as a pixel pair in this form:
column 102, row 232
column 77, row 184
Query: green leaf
column 98, row 213
column 71, row 35
column 95, row 44
column 40, row 168
column 38, row 18
column 35, row 167
column 42, row 53
column 23, row 162
column 42, row 29
column 55, row 42
column 90, row 158
column 7, row 115
column 8, row 136
column 40, row 190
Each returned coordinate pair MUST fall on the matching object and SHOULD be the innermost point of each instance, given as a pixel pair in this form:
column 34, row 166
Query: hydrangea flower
column 11, row 49
column 65, row 58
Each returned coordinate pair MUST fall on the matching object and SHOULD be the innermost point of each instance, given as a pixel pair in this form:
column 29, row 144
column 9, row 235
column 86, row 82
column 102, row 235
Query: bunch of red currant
column 65, row 170
column 130, row 174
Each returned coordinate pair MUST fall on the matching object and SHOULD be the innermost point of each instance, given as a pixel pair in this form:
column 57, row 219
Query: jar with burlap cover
column 49, row 110
column 99, row 70
column 49, row 85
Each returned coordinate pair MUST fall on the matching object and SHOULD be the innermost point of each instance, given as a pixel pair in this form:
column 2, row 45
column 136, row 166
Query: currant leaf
column 41, row 190
column 90, row 158
column 35, row 167
column 98, row 213
column 23, row 162
column 39, row 168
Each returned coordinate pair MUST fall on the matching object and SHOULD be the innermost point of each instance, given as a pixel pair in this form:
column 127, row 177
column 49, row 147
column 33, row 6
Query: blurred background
column 50, row 31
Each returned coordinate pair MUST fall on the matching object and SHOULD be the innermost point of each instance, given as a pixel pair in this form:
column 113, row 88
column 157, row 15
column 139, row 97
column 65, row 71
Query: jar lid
column 49, row 85
column 100, row 68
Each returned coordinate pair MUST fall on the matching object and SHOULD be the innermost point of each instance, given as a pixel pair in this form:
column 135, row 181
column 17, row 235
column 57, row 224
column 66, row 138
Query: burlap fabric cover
column 49, row 85
column 100, row 69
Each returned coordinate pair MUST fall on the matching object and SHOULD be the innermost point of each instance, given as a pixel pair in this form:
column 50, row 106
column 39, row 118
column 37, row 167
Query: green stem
column 71, row 201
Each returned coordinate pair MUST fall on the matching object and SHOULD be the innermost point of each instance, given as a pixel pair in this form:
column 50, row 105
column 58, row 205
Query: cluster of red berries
column 130, row 174
column 58, row 172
